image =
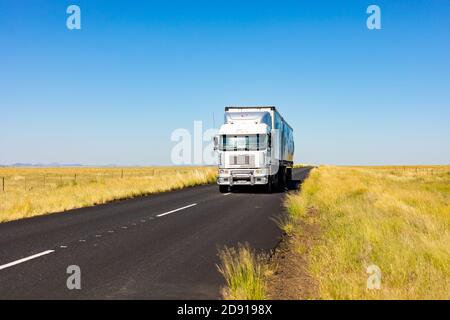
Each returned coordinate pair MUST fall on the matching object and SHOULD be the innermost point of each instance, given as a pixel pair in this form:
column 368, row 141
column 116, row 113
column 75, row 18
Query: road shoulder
column 290, row 279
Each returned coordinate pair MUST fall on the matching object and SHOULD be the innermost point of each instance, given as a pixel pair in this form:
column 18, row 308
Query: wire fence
column 429, row 173
column 419, row 170
column 28, row 180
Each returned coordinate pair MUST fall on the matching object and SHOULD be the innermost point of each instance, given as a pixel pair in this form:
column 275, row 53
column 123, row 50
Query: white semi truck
column 255, row 146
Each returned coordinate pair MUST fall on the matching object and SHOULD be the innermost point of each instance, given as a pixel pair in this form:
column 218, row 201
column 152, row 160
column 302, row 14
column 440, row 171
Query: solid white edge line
column 227, row 194
column 34, row 256
column 175, row 210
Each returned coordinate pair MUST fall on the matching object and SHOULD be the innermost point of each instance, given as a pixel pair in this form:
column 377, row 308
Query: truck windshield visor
column 255, row 142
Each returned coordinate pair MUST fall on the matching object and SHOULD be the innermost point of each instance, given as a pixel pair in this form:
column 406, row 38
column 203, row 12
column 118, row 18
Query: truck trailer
column 255, row 147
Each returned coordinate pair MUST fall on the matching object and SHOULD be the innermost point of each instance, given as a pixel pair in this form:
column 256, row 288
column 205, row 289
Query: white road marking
column 98, row 235
column 172, row 211
column 227, row 194
column 63, row 247
column 34, row 256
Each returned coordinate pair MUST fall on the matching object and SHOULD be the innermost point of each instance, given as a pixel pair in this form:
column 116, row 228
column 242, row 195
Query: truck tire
column 269, row 186
column 281, row 178
column 288, row 175
column 224, row 188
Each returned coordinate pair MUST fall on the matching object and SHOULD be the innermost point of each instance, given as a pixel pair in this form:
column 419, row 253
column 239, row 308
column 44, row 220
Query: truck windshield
column 253, row 142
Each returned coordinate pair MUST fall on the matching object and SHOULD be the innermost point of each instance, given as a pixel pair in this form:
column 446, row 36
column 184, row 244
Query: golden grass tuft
column 244, row 272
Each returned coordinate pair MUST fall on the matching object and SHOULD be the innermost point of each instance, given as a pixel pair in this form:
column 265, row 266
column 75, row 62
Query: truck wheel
column 223, row 188
column 281, row 178
column 288, row 174
column 269, row 186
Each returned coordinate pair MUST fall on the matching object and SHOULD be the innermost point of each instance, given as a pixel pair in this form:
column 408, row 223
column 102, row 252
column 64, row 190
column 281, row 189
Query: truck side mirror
column 216, row 142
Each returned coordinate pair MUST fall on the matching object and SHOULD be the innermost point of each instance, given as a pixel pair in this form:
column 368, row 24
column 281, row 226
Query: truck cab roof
column 252, row 118
column 244, row 129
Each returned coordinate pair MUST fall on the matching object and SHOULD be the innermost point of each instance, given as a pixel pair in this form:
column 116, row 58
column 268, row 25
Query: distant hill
column 54, row 164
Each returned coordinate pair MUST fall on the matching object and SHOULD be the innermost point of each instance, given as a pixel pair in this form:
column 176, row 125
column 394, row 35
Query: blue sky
column 114, row 91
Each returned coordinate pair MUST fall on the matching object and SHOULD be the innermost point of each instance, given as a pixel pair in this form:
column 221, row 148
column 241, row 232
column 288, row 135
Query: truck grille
column 243, row 160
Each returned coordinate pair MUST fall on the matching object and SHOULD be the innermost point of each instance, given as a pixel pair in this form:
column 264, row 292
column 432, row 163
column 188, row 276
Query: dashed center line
column 175, row 210
column 37, row 255
column 34, row 256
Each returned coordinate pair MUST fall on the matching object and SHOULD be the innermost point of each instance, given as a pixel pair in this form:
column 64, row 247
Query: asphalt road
column 163, row 246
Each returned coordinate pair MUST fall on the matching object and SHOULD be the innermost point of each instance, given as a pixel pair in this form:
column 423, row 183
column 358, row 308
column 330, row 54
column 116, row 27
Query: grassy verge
column 244, row 272
column 36, row 191
column 396, row 218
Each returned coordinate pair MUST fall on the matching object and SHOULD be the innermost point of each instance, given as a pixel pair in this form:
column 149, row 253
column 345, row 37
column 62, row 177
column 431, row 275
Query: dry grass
column 37, row 191
column 397, row 218
column 244, row 272
column 301, row 165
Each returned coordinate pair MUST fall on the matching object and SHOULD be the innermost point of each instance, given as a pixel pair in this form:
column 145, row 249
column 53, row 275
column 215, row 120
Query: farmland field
column 349, row 221
column 27, row 192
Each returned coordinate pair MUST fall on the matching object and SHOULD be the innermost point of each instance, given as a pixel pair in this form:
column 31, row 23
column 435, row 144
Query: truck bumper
column 242, row 177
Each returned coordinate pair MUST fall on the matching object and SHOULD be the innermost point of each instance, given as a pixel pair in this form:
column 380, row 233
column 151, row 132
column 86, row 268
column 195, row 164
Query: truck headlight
column 222, row 171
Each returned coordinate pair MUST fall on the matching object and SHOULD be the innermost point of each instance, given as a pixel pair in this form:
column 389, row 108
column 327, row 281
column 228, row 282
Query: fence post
column 75, row 177
column 3, row 184
column 44, row 180
column 121, row 174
